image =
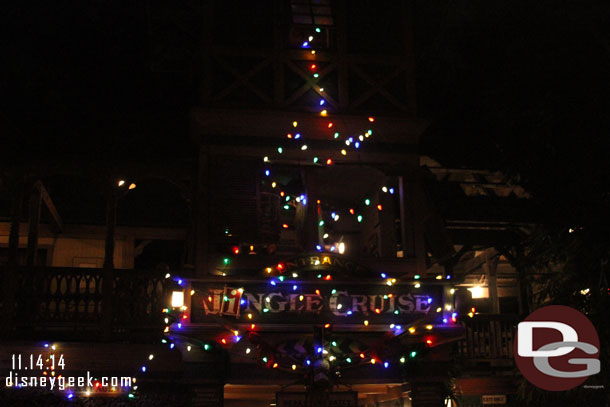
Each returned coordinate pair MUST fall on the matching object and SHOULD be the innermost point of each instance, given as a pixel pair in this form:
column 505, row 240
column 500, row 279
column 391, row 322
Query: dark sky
column 520, row 86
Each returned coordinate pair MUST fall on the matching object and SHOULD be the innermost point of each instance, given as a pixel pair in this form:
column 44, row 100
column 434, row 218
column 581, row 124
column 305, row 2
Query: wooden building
column 326, row 262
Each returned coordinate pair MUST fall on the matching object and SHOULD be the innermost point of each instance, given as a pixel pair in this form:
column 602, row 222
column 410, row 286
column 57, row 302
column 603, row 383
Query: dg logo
column 557, row 348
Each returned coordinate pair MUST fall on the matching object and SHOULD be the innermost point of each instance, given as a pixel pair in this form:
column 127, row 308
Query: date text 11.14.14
column 32, row 362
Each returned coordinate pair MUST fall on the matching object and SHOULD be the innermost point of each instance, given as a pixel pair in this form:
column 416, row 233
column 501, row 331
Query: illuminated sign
column 313, row 301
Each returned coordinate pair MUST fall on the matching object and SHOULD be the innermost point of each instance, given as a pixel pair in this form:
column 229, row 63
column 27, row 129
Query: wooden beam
column 378, row 87
column 34, row 222
column 254, row 123
column 243, row 79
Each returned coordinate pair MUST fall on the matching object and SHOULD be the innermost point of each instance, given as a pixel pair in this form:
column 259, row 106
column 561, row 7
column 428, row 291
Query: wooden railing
column 68, row 302
column 488, row 338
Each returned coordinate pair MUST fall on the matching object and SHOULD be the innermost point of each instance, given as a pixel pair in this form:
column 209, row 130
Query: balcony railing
column 488, row 339
column 68, row 302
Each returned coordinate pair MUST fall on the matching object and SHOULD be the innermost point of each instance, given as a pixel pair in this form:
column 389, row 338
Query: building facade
column 326, row 262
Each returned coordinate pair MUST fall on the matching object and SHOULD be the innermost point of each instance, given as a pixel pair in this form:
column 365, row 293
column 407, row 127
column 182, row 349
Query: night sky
column 517, row 86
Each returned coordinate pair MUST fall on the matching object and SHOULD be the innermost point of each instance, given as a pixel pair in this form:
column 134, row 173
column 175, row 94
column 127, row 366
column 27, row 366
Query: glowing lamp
column 341, row 248
column 177, row 299
column 479, row 292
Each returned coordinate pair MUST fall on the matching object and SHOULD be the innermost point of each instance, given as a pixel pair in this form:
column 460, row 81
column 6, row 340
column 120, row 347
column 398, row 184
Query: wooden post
column 201, row 213
column 491, row 265
column 34, row 222
column 108, row 270
column 311, row 236
column 387, row 216
column 412, row 228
